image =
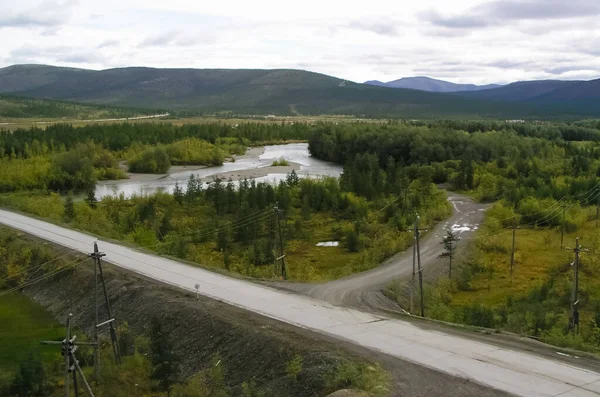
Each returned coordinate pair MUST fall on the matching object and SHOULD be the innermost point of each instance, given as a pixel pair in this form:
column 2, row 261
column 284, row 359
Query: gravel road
column 364, row 290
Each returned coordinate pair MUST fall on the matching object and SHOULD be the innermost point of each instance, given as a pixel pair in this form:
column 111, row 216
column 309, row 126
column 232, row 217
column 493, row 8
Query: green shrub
column 152, row 161
column 294, row 367
column 280, row 162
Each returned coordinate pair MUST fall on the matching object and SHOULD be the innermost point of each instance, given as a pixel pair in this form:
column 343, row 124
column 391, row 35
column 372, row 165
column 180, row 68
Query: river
column 256, row 164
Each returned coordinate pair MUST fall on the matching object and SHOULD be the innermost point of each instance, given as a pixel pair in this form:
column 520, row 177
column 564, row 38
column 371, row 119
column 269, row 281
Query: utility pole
column 574, row 316
column 66, row 342
column 96, row 255
column 416, row 248
column 96, row 321
column 412, row 281
column 68, row 349
column 281, row 254
column 75, row 388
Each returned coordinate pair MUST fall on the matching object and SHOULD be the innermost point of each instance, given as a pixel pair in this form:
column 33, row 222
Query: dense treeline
column 116, row 137
column 42, row 169
column 587, row 130
column 494, row 165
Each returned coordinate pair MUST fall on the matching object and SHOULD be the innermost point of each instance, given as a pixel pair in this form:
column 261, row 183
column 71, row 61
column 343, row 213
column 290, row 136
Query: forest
column 543, row 182
column 14, row 107
column 527, row 172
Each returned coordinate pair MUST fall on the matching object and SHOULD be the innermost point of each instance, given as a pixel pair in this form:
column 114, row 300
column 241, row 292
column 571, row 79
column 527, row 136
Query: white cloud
column 475, row 41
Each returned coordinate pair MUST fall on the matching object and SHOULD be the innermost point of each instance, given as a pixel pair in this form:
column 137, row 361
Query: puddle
column 328, row 244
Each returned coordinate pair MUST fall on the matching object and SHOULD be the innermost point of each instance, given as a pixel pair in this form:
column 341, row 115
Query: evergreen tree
column 30, row 380
column 222, row 240
column 69, row 208
column 178, row 193
column 305, row 208
column 292, row 178
column 91, row 198
column 449, row 241
column 164, row 362
column 353, row 240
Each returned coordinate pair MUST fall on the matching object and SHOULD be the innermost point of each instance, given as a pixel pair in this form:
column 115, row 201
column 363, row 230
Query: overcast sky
column 464, row 41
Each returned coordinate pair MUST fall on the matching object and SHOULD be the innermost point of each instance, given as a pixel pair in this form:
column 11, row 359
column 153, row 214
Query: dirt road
column 364, row 290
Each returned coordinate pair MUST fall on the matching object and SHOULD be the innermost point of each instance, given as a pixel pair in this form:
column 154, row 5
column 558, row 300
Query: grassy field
column 538, row 257
column 23, row 324
column 28, row 122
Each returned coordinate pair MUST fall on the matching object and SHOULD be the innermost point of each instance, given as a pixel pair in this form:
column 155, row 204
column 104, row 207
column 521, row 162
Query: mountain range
column 290, row 92
column 423, row 83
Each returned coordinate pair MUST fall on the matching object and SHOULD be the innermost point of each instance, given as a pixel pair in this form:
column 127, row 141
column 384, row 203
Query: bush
column 478, row 315
column 280, row 162
column 195, row 151
column 294, row 367
column 370, row 378
column 152, row 161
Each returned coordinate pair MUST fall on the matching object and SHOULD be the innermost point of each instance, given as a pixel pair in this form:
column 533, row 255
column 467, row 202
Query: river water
column 294, row 152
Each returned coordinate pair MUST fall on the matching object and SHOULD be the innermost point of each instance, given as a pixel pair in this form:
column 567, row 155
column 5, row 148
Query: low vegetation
column 281, row 162
column 535, row 299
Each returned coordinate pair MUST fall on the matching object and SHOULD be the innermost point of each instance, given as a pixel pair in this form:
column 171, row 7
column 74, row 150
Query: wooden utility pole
column 65, row 351
column 281, row 254
column 574, row 316
column 113, row 333
column 416, row 248
column 68, row 349
column 96, row 321
column 412, row 281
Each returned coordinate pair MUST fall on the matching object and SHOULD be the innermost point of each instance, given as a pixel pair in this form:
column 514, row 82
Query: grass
column 39, row 122
column 23, row 324
column 280, row 162
column 538, row 256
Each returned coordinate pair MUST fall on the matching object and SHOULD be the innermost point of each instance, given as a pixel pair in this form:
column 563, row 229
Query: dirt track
column 364, row 290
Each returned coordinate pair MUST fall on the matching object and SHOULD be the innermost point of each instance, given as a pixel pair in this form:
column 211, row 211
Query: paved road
column 363, row 290
column 516, row 372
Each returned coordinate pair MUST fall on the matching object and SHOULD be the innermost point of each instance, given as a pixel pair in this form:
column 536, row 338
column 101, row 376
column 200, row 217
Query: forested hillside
column 254, row 91
column 17, row 107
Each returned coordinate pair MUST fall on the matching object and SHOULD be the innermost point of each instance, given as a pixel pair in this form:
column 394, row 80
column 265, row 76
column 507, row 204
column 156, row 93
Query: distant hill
column 578, row 90
column 256, row 91
column 565, row 97
column 522, row 90
column 431, row 85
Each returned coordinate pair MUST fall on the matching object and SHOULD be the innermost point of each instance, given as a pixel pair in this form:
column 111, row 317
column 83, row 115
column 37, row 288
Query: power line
column 37, row 268
column 228, row 226
column 44, row 277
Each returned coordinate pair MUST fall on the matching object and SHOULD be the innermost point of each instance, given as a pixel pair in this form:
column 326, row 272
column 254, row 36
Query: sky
column 463, row 41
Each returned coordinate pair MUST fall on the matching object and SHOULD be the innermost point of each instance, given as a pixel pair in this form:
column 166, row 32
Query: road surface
column 152, row 116
column 364, row 290
column 513, row 371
